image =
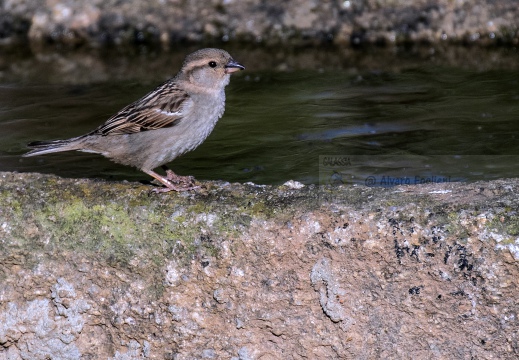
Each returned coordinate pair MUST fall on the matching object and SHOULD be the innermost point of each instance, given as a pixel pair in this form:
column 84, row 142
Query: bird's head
column 210, row 68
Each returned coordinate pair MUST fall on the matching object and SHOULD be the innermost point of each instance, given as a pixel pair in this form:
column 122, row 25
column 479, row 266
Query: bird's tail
column 47, row 147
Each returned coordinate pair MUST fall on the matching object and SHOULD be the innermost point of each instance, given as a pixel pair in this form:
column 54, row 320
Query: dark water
column 373, row 125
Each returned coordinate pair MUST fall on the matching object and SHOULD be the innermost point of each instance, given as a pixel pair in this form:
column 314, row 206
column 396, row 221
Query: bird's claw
column 178, row 179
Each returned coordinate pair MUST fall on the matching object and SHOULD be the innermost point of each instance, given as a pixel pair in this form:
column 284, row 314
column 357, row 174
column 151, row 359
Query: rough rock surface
column 102, row 270
column 298, row 22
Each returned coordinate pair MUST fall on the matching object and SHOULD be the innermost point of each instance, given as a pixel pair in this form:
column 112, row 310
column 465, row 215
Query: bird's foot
column 178, row 179
column 182, row 183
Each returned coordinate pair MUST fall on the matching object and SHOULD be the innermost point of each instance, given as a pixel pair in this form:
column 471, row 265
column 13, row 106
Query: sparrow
column 169, row 121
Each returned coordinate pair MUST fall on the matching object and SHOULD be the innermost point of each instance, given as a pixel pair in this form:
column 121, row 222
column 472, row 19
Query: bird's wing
column 164, row 107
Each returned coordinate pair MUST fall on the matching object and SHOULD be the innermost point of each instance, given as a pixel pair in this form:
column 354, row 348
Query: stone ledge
column 97, row 269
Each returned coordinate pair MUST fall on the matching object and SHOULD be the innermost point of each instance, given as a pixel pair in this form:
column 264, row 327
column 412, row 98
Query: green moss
column 198, row 208
column 14, row 208
column 452, row 224
column 105, row 229
column 506, row 222
column 259, row 209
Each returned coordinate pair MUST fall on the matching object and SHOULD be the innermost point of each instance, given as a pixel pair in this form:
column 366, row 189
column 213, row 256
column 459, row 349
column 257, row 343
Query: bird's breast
column 193, row 129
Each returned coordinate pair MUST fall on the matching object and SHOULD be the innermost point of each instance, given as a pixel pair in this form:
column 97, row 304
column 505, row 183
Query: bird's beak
column 233, row 66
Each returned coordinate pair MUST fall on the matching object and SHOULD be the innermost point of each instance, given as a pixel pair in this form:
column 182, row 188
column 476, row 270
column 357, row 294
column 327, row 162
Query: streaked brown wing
column 161, row 108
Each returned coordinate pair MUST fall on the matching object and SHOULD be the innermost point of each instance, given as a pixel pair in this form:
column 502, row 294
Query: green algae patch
column 103, row 228
column 113, row 221
column 505, row 223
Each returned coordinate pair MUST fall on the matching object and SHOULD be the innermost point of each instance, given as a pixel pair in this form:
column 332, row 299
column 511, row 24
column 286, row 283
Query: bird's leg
column 178, row 179
column 169, row 186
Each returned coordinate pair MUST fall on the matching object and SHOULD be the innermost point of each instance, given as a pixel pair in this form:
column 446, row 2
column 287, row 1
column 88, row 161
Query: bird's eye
column 212, row 64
